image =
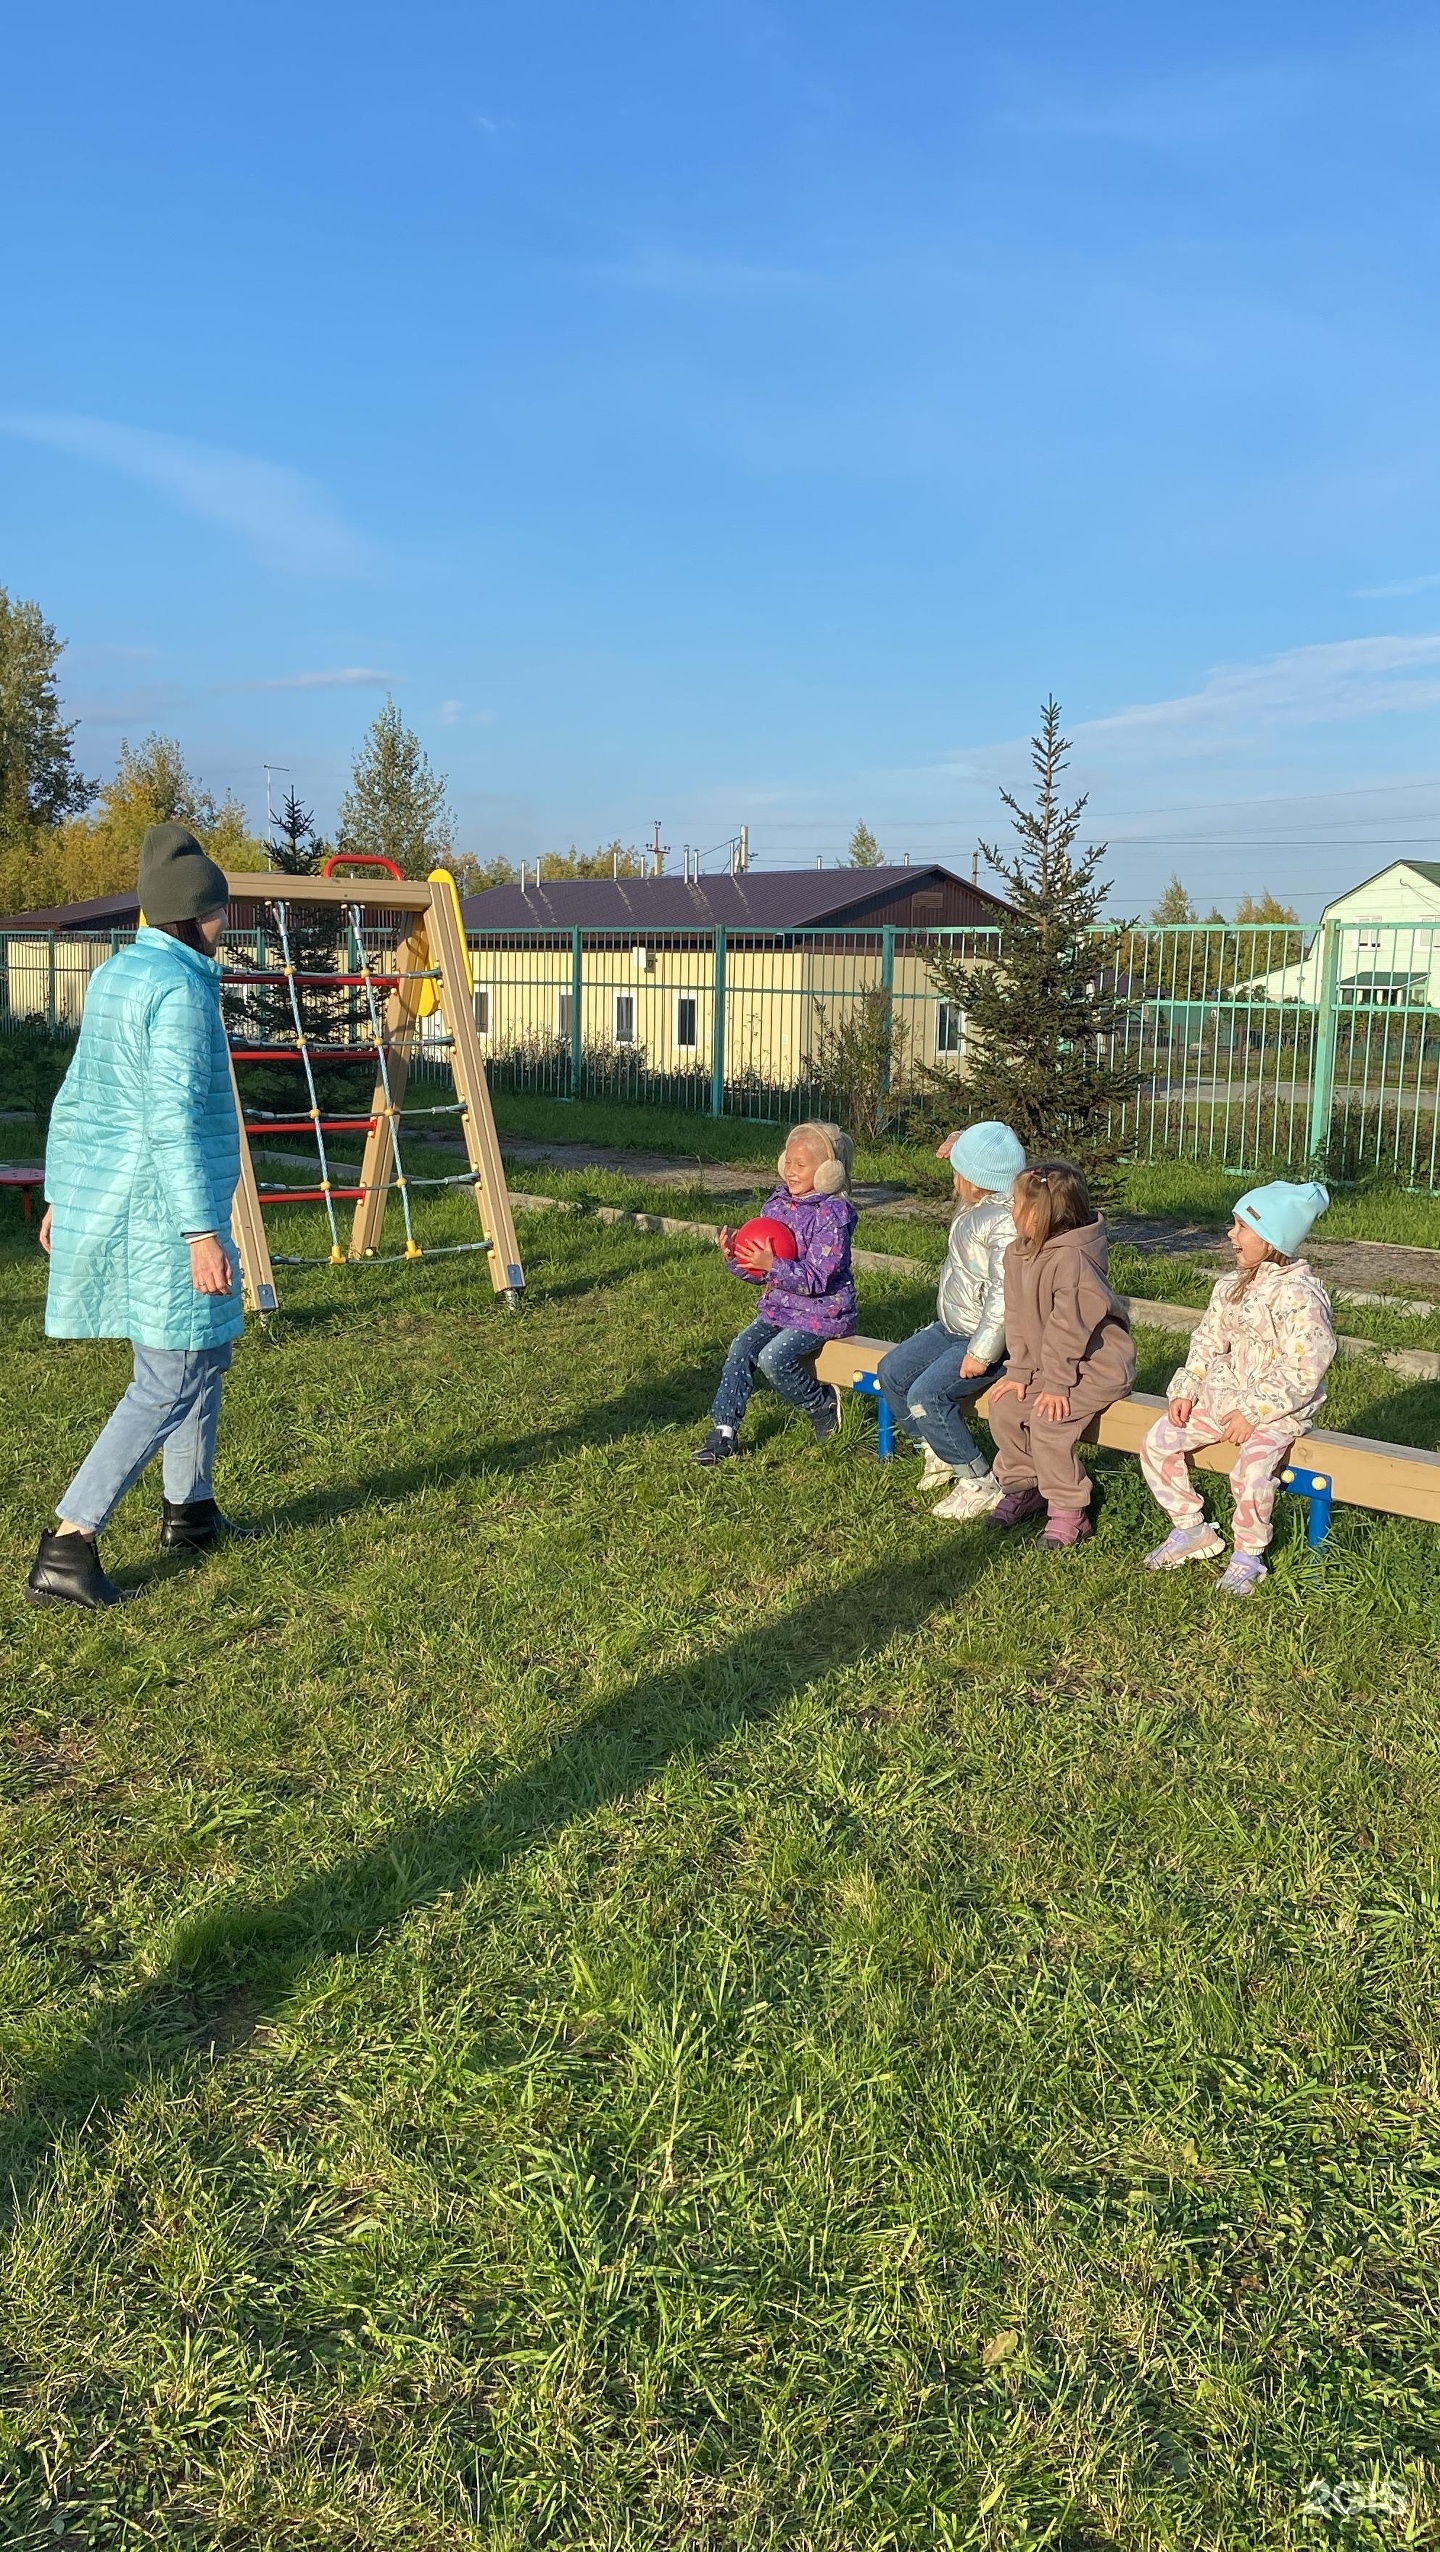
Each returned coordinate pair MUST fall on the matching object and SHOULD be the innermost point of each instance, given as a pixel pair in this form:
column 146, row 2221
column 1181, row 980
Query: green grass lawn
column 566, row 2000
column 1370, row 1209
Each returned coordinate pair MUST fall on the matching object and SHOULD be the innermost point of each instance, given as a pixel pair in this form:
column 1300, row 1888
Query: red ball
column 763, row 1227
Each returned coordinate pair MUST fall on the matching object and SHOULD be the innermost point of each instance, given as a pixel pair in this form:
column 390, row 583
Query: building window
column 564, row 1016
column 687, row 1013
column 949, row 1028
column 482, row 1010
column 624, row 1019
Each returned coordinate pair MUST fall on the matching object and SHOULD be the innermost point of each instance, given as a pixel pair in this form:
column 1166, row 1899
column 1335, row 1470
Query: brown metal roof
column 766, row 900
column 98, row 914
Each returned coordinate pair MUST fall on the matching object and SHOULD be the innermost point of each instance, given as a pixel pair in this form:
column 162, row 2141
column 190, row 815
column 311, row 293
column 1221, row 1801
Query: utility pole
column 656, row 853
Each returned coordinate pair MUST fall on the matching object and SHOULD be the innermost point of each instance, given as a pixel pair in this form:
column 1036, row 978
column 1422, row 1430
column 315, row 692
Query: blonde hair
column 1273, row 1258
column 1047, row 1200
column 837, row 1154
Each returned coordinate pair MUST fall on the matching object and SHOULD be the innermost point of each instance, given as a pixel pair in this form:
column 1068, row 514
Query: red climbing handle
column 360, row 859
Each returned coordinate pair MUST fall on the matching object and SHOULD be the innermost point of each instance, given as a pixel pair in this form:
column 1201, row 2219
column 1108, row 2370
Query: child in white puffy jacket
column 1254, row 1377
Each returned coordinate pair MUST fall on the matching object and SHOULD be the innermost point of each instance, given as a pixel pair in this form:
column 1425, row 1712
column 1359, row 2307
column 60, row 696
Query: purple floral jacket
column 815, row 1291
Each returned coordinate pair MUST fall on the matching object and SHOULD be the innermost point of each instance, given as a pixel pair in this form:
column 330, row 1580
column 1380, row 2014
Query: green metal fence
column 1252, row 1045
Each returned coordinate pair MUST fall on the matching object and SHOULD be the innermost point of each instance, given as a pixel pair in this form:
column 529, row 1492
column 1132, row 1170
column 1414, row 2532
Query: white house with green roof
column 1377, row 946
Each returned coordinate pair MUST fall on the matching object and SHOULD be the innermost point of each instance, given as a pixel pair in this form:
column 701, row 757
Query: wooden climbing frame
column 429, row 971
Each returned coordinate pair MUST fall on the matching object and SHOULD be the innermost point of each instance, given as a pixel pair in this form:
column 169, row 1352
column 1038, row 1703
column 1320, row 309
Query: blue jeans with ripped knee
column 923, row 1384
column 786, row 1357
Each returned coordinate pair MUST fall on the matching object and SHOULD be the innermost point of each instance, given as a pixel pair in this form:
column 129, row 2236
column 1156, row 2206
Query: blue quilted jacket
column 143, row 1149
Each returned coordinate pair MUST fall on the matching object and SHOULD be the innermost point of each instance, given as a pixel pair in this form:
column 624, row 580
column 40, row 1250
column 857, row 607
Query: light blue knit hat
column 1283, row 1212
column 989, row 1156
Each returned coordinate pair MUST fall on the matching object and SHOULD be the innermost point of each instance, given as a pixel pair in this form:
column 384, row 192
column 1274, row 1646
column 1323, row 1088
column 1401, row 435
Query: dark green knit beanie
column 178, row 882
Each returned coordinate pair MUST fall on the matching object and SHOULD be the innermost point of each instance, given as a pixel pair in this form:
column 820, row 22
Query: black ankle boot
column 67, row 1570
column 196, row 1526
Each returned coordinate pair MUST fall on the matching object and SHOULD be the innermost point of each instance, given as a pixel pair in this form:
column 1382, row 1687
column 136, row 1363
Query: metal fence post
column 1322, row 1063
column 50, row 995
column 577, row 994
column 717, row 1049
column 887, row 1008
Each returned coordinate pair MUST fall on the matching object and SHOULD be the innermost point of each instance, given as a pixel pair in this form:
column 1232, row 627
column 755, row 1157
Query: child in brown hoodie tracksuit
column 1069, row 1352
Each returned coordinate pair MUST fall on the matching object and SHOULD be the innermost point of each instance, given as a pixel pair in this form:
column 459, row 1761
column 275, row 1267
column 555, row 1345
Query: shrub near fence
column 1254, row 1045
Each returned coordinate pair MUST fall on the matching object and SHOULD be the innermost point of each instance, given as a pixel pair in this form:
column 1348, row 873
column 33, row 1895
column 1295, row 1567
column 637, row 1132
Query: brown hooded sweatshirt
column 1065, row 1330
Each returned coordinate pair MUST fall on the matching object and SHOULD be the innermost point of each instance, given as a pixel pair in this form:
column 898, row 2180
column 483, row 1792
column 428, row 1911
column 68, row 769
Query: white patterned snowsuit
column 1265, row 1356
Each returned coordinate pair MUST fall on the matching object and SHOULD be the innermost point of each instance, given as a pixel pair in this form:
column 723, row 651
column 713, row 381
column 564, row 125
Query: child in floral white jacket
column 1254, row 1377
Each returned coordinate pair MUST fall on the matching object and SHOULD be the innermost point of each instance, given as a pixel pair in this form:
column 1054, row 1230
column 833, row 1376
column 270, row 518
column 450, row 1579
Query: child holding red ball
column 805, row 1298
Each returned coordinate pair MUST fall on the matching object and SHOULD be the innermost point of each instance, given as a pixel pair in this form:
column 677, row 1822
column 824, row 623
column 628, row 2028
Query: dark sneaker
column 826, row 1422
column 67, row 1570
column 718, row 1446
column 196, row 1526
column 1017, row 1506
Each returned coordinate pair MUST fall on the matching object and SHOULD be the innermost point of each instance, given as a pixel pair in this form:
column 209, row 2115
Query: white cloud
column 343, row 678
column 451, row 712
column 285, row 518
column 1351, row 678
column 133, row 709
column 1393, row 593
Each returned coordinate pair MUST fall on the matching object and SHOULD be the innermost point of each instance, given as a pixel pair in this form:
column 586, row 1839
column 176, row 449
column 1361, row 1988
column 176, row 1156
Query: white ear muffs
column 830, row 1178
column 780, row 1165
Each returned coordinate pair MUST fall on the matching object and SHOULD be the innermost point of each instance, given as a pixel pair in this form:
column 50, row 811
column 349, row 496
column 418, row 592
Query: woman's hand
column 209, row 1266
column 45, row 1229
column 1052, row 1406
column 1180, row 1412
column 1236, row 1429
column 1007, row 1382
column 971, row 1365
column 756, row 1257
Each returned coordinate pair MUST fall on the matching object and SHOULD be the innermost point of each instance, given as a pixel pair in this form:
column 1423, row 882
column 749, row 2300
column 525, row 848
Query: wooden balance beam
column 1390, row 1479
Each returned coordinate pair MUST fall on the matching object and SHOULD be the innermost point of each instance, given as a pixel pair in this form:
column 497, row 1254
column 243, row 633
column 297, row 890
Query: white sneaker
column 935, row 1474
column 970, row 1497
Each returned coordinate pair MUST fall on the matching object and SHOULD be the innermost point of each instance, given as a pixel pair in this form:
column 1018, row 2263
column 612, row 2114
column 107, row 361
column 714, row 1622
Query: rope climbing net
column 391, row 1006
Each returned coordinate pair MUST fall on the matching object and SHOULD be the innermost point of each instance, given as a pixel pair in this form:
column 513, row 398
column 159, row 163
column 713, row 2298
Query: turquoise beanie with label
column 989, row 1156
column 1283, row 1212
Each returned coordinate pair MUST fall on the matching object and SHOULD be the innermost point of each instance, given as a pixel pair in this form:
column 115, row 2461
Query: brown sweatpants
column 1041, row 1453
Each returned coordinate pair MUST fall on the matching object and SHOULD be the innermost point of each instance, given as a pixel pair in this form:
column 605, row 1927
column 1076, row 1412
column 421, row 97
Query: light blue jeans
column 174, row 1401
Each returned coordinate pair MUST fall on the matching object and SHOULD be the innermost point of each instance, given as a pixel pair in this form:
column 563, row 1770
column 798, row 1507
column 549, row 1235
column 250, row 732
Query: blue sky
column 743, row 412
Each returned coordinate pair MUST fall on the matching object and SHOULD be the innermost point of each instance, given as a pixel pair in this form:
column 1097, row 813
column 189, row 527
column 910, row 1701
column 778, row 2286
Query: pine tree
column 1174, row 907
column 316, row 946
column 39, row 784
column 1041, row 1017
column 395, row 805
column 865, row 851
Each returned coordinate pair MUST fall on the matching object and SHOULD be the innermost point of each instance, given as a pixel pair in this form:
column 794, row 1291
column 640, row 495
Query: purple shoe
column 1016, row 1507
column 1067, row 1526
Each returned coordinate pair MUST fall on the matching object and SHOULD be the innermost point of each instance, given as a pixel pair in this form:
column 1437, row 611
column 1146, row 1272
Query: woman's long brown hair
column 1050, row 1199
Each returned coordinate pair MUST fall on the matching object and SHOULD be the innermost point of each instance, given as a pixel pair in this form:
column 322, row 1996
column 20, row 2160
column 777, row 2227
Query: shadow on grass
column 660, row 1401
column 233, row 1969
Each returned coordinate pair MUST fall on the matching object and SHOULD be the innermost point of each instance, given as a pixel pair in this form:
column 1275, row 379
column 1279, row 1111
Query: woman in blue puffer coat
column 140, row 1170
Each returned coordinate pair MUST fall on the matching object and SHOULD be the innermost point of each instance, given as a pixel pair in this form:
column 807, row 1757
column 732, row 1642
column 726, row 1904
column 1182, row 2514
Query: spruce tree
column 395, row 805
column 865, row 851
column 1041, row 1016
column 316, row 940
